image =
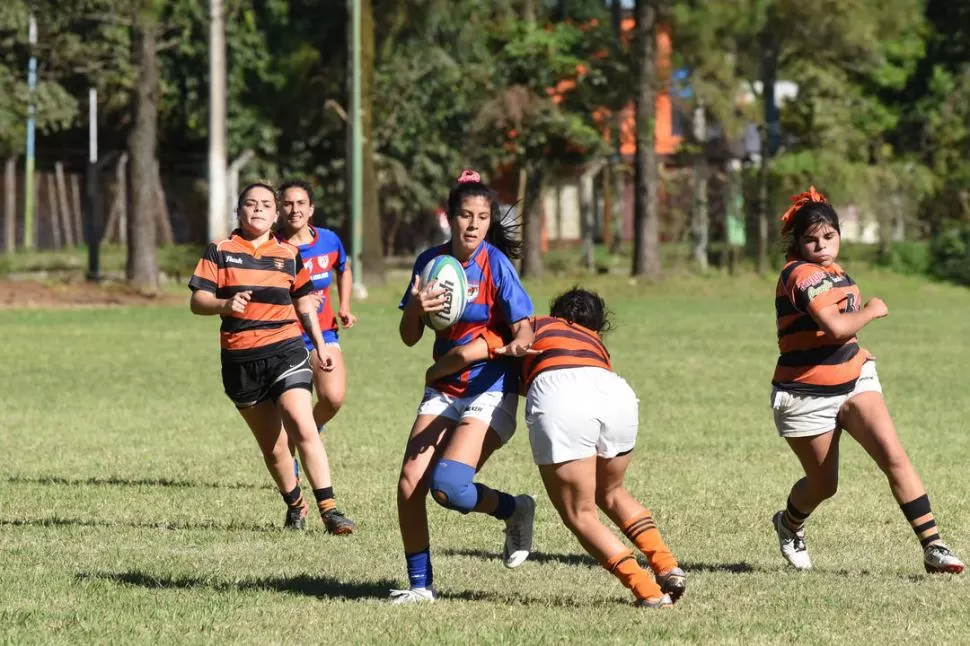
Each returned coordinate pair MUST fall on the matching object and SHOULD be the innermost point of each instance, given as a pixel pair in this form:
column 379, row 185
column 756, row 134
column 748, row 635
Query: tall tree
column 372, row 255
column 646, row 241
column 142, row 266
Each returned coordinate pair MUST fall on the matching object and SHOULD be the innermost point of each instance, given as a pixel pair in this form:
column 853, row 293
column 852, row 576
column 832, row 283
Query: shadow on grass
column 585, row 560
column 113, row 481
column 536, row 557
column 311, row 586
column 57, row 521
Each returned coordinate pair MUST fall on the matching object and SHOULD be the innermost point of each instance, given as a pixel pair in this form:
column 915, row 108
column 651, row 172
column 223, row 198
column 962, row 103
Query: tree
column 142, row 266
column 646, row 241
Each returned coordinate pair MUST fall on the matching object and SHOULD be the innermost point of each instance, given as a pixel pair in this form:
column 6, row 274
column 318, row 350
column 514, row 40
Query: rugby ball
column 450, row 277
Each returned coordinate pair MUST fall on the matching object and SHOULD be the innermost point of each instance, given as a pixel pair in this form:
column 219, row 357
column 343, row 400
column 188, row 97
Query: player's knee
column 607, row 497
column 452, row 486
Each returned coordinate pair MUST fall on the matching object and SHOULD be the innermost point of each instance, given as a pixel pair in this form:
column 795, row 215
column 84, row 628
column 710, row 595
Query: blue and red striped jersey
column 496, row 300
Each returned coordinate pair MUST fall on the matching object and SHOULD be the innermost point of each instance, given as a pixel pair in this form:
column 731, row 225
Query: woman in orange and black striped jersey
column 251, row 280
column 583, row 420
column 825, row 382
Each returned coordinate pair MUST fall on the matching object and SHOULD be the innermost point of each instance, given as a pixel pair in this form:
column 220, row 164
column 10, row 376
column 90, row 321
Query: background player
column 325, row 258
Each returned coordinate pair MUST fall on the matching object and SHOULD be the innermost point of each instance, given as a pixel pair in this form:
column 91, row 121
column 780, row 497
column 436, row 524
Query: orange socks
column 624, row 567
column 643, row 533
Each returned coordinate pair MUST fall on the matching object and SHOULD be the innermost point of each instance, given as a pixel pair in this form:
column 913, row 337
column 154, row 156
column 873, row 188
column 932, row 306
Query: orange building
column 563, row 202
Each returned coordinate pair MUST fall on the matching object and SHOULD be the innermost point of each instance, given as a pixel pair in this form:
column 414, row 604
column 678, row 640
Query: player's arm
column 205, row 303
column 457, row 359
column 421, row 300
column 345, row 287
column 845, row 325
column 522, row 337
column 306, row 309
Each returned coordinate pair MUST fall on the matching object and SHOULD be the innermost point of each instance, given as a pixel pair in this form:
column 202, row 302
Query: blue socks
column 506, row 506
column 420, row 573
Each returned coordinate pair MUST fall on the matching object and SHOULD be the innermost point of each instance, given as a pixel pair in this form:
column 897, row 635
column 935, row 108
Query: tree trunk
column 646, row 243
column 769, row 143
column 66, row 214
column 699, row 207
column 529, row 10
column 372, row 253
column 142, row 266
column 53, row 213
column 532, row 266
column 10, row 206
column 615, row 213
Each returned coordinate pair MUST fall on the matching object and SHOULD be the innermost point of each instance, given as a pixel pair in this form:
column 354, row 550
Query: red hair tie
column 469, row 176
column 798, row 201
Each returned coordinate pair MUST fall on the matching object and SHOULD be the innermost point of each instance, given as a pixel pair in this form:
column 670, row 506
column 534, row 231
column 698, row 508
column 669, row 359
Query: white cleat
column 518, row 531
column 937, row 558
column 792, row 544
column 412, row 595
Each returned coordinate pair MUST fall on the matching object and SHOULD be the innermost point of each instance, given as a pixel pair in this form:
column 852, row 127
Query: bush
column 950, row 253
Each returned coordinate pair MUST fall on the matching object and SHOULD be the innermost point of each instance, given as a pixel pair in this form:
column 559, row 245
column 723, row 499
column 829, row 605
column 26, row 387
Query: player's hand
column 516, row 349
column 316, row 298
column 324, row 360
column 426, row 298
column 347, row 320
column 876, row 308
column 237, row 304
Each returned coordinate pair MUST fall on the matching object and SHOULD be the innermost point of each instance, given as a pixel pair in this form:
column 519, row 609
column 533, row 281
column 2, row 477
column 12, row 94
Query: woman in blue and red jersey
column 325, row 259
column 464, row 418
column 825, row 382
column 258, row 285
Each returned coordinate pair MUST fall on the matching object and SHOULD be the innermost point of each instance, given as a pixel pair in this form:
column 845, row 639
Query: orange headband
column 798, row 201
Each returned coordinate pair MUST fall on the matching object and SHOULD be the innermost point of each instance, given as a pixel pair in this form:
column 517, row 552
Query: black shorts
column 248, row 383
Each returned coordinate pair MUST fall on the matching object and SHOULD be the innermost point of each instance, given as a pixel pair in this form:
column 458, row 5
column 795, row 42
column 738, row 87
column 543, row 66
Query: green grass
column 134, row 506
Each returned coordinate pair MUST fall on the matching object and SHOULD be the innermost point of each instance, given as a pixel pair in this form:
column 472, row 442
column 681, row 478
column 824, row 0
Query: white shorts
column 576, row 413
column 808, row 415
column 496, row 409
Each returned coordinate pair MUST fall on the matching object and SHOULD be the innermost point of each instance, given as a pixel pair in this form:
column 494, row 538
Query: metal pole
column 29, row 206
column 218, row 228
column 92, row 192
column 92, row 125
column 357, row 191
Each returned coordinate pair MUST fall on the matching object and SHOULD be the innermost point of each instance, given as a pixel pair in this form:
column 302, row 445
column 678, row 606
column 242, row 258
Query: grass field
column 134, row 506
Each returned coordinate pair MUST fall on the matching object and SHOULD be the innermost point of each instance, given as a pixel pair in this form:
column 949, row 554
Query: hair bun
column 468, row 175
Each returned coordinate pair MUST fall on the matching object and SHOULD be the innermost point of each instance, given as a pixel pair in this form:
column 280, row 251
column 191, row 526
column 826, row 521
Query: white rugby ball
column 450, row 277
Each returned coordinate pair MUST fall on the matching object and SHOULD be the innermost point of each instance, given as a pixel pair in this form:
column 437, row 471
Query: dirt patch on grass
column 76, row 292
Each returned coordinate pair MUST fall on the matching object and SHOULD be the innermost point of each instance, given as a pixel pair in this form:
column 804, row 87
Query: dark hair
column 259, row 184
column 297, row 183
column 806, row 218
column 502, row 231
column 584, row 307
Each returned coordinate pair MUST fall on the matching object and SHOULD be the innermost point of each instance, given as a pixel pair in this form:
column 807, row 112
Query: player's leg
column 247, row 385
column 331, row 386
column 488, row 422
column 866, row 418
column 427, row 434
column 264, row 422
column 636, row 522
column 572, row 489
column 291, row 389
column 618, row 410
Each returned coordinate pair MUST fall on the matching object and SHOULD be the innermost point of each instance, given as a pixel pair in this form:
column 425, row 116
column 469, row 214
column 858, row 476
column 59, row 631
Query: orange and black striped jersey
column 812, row 362
column 275, row 274
column 563, row 345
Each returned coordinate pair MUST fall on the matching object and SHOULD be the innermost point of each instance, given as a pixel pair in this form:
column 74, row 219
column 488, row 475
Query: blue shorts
column 330, row 337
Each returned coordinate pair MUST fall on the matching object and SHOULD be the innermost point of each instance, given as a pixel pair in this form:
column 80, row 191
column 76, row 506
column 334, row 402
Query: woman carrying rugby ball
column 464, row 418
